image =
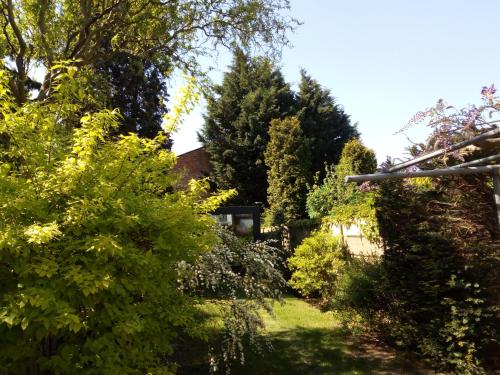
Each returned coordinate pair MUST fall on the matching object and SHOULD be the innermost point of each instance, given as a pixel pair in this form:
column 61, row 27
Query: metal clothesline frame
column 472, row 167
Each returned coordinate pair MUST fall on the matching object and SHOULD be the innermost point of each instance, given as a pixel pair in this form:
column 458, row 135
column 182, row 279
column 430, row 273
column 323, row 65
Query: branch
column 43, row 30
column 84, row 32
column 20, row 55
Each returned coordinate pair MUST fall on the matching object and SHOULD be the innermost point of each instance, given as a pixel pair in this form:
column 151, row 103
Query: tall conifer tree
column 235, row 134
column 324, row 123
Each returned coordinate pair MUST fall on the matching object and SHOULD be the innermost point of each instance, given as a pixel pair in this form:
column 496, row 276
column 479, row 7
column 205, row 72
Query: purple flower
column 367, row 186
column 473, row 114
column 412, row 168
column 488, row 92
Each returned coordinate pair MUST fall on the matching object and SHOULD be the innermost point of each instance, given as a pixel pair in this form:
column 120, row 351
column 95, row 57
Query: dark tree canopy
column 253, row 93
column 235, row 134
column 324, row 123
column 136, row 87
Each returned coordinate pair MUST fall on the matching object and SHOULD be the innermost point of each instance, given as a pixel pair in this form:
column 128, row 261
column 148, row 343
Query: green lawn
column 307, row 341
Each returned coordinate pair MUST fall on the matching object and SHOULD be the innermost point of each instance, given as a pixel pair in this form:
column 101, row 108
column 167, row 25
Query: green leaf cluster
column 91, row 232
column 168, row 34
column 343, row 203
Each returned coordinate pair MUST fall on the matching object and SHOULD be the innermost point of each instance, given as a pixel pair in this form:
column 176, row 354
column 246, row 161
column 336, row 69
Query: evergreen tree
column 235, row 134
column 289, row 162
column 137, row 88
column 323, row 122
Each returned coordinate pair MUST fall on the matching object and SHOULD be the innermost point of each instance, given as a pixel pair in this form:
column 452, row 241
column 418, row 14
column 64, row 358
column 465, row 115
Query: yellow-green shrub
column 317, row 263
column 91, row 233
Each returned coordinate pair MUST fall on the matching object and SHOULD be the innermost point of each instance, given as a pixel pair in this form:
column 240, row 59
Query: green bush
column 91, row 233
column 361, row 294
column 440, row 265
column 317, row 263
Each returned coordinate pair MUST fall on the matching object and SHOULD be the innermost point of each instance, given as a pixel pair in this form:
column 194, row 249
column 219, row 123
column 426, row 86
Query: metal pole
column 478, row 161
column 433, row 154
column 430, row 173
column 496, row 188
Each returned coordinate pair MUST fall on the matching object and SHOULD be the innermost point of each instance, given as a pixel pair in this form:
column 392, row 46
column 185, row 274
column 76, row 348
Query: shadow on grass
column 307, row 351
column 303, row 351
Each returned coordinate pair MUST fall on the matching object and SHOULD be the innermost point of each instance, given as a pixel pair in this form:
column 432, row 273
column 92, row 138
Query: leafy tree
column 166, row 33
column 334, row 191
column 441, row 248
column 324, row 123
column 435, row 290
column 235, row 134
column 91, row 236
column 288, row 159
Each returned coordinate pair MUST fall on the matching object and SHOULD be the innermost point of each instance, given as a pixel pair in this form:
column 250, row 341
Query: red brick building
column 194, row 164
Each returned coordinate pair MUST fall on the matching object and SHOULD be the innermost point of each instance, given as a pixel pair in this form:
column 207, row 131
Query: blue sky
column 385, row 60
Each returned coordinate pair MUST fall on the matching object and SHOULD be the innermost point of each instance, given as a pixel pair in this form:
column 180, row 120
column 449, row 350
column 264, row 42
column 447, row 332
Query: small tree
column 334, row 191
column 288, row 159
column 343, row 203
column 317, row 263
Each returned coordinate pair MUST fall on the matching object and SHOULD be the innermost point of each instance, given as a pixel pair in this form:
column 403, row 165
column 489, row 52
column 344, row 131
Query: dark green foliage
column 440, row 260
column 360, row 293
column 235, row 134
column 136, row 87
column 288, row 159
column 324, row 123
column 238, row 117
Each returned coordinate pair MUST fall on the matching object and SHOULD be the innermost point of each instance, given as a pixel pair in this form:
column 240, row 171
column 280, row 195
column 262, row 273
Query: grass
column 307, row 341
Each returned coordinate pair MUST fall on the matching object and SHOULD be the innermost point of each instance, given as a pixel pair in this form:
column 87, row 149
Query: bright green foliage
column 334, row 191
column 324, row 123
column 356, row 158
column 343, row 203
column 317, row 263
column 236, row 127
column 91, row 233
column 288, row 159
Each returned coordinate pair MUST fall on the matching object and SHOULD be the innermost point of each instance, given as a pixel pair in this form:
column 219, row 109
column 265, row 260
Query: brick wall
column 194, row 164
